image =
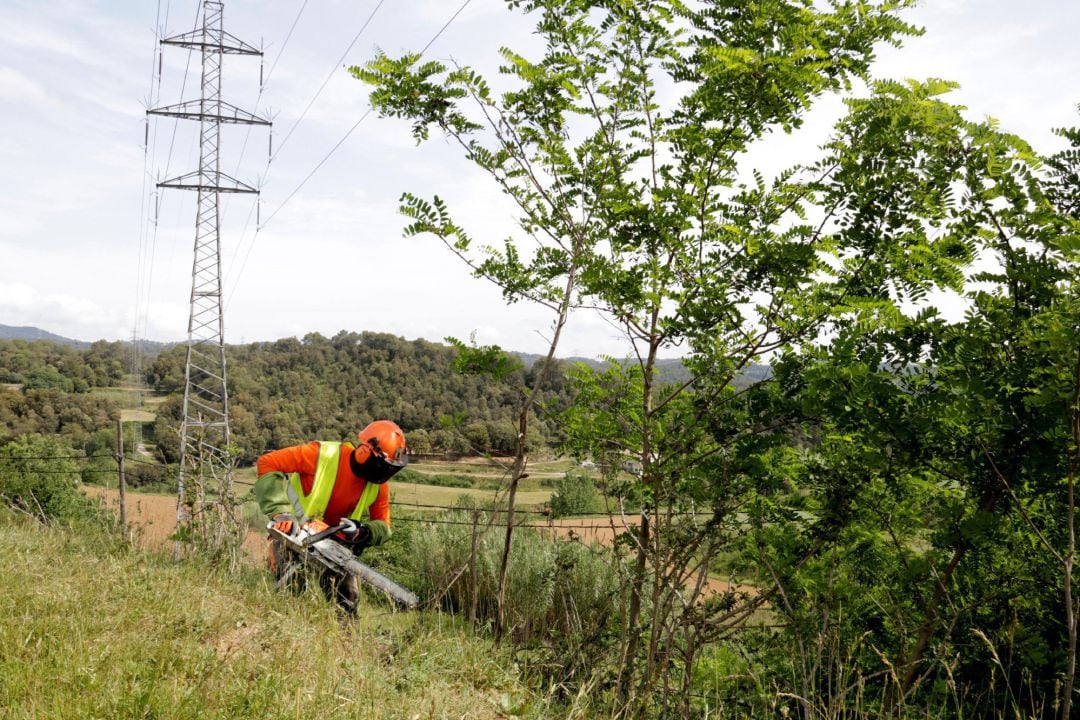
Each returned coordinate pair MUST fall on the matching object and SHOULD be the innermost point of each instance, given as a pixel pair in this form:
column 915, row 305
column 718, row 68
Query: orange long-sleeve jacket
column 347, row 486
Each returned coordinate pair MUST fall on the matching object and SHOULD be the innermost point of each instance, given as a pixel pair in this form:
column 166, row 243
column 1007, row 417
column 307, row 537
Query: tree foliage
column 291, row 391
column 36, row 479
column 900, row 487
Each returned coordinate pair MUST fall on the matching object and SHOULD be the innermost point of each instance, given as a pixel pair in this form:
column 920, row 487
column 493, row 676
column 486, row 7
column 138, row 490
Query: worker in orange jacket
column 324, row 482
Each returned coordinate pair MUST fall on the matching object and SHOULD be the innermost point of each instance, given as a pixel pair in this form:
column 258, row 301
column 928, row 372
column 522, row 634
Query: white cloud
column 17, row 88
column 56, row 312
column 33, row 36
column 161, row 321
column 69, row 232
column 16, row 223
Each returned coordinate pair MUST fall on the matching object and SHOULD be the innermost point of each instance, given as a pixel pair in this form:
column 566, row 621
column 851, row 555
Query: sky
column 81, row 255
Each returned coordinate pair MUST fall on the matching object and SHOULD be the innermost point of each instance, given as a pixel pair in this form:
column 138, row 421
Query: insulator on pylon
column 160, row 60
column 146, row 134
column 270, row 146
column 258, row 211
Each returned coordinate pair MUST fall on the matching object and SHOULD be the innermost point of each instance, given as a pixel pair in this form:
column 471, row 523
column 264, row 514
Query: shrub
column 48, row 378
column 412, row 476
column 149, row 477
column 39, row 476
column 575, row 494
column 562, row 598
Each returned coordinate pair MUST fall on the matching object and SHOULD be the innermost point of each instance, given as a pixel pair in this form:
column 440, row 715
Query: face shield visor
column 380, row 467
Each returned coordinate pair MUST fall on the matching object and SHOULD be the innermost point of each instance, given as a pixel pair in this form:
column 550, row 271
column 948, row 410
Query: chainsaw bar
column 337, row 558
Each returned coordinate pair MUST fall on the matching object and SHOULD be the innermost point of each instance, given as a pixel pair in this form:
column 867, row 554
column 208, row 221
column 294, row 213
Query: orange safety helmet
column 388, row 450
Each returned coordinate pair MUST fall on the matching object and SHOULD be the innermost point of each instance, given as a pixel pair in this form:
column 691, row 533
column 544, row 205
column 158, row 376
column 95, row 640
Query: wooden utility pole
column 123, row 481
column 474, row 581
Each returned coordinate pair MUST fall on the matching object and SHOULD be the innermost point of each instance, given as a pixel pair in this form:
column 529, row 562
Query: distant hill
column 12, row 332
column 28, row 333
column 669, row 370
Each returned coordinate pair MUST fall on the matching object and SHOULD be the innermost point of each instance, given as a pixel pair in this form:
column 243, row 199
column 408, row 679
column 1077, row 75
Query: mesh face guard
column 378, row 469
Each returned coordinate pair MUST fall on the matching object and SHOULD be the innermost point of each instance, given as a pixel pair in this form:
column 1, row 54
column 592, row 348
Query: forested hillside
column 48, row 388
column 291, row 390
column 55, row 365
column 281, row 392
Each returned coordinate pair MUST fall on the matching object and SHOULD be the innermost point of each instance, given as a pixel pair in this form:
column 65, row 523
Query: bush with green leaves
column 418, row 478
column 563, row 597
column 39, row 476
column 575, row 494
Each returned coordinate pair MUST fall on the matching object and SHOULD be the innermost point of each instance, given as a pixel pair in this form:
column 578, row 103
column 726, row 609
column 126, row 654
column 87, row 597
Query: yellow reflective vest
column 313, row 504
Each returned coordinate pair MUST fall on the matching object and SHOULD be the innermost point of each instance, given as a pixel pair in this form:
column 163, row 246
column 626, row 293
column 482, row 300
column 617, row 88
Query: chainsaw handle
column 346, row 525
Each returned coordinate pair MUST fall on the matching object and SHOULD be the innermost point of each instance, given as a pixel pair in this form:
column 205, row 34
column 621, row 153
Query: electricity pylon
column 205, row 512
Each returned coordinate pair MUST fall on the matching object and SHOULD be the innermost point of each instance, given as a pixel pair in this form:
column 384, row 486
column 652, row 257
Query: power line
column 262, row 87
column 284, row 44
column 446, row 25
column 327, row 80
column 459, row 508
column 350, row 131
column 396, row 503
column 334, row 149
column 20, row 458
column 18, row 471
column 156, row 209
column 316, row 168
column 144, row 218
column 525, row 525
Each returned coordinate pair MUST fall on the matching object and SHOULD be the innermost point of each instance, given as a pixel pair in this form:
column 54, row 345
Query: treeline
column 43, row 364
column 290, row 391
column 75, row 417
column 281, row 393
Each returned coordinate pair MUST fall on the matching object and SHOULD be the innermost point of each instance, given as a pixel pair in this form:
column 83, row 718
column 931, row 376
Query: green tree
column 575, row 494
column 626, row 204
column 477, row 434
column 39, row 476
column 942, row 473
column 48, row 378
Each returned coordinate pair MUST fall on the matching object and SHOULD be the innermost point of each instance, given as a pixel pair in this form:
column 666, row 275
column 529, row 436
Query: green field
column 448, row 496
column 185, row 641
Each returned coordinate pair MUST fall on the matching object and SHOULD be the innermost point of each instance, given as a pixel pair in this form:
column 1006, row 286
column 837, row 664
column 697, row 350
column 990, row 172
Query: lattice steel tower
column 205, row 508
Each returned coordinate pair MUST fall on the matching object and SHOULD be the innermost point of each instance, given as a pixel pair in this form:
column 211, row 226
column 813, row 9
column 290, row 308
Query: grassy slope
column 90, row 631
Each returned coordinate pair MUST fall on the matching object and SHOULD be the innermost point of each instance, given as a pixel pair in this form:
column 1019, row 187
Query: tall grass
column 92, row 629
column 564, row 611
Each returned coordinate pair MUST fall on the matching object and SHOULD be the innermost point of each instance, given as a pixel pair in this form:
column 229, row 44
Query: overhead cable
column 284, row 44
column 327, row 80
column 247, row 135
column 339, row 143
column 322, row 162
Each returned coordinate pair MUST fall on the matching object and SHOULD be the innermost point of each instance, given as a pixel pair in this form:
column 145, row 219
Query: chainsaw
column 320, row 551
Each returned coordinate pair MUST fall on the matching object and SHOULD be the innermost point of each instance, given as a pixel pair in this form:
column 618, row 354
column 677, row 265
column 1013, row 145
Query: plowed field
column 153, row 519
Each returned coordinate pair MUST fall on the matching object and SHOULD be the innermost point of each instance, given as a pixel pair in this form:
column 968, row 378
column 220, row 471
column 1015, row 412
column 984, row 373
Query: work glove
column 358, row 537
column 286, row 523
